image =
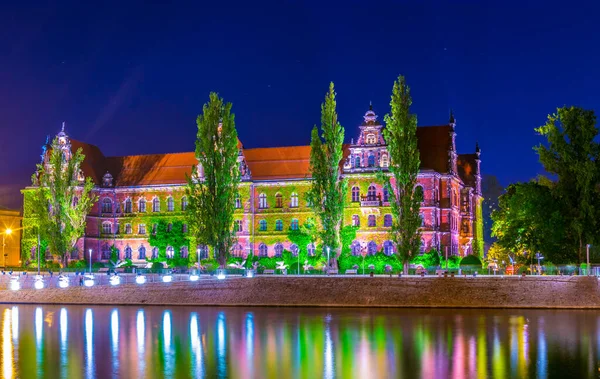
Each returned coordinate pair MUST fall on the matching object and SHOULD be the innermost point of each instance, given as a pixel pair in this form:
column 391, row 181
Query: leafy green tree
column 328, row 187
column 405, row 201
column 529, row 220
column 572, row 154
column 213, row 186
column 61, row 200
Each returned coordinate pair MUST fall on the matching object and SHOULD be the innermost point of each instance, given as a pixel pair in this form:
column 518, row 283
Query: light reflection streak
column 39, row 323
column 114, row 328
column 198, row 363
column 542, row 357
column 250, row 342
column 169, row 358
column 89, row 342
column 141, row 331
column 328, row 369
column 7, row 347
column 15, row 324
column 221, row 349
column 63, row 341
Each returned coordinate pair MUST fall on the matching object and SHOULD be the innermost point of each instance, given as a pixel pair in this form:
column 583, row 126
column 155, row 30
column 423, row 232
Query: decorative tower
column 478, row 174
column 452, row 156
column 369, row 153
column 64, row 142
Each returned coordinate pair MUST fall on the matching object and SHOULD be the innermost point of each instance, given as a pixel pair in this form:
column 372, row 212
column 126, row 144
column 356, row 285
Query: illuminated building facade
column 135, row 192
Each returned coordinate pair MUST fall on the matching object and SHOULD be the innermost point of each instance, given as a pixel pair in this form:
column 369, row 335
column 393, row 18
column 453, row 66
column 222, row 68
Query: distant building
column 136, row 191
column 10, row 234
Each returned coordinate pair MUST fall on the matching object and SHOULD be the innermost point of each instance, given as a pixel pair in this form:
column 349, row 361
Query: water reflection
column 154, row 342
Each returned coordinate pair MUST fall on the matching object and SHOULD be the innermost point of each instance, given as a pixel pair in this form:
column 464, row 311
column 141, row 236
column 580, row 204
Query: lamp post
column 90, row 261
column 327, row 258
column 539, row 257
column 588, row 258
column 7, row 231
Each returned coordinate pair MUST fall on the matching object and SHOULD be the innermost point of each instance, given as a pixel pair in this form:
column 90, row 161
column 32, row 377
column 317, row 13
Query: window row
column 372, row 194
column 107, row 228
column 107, row 205
column 263, row 203
column 370, row 160
column 262, row 225
column 371, row 248
column 263, row 249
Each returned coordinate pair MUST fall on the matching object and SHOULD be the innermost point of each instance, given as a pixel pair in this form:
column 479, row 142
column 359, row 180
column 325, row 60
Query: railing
column 370, row 201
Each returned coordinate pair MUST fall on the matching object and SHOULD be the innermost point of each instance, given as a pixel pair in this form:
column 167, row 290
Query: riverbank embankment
column 457, row 292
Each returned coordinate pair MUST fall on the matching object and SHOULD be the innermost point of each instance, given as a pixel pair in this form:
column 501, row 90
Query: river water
column 181, row 342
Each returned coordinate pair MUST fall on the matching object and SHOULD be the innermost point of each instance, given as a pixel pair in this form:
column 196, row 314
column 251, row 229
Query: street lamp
column 588, row 258
column 90, row 261
column 327, row 248
column 539, row 257
column 7, row 232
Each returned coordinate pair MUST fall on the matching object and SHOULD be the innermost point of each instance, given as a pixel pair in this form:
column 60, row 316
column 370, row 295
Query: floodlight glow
column 194, row 278
column 115, row 280
column 220, row 276
column 167, row 278
column 250, row 274
column 88, row 282
column 14, row 284
column 38, row 284
column 140, row 279
column 63, row 282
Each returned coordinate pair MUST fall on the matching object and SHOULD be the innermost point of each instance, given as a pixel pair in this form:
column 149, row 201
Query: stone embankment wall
column 489, row 292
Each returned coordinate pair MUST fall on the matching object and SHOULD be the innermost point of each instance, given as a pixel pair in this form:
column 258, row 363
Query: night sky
column 132, row 79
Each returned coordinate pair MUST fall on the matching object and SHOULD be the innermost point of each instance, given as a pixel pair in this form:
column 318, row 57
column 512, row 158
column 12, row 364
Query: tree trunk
column 580, row 253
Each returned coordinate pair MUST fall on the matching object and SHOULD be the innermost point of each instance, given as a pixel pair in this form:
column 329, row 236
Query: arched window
column 372, row 248
column 384, row 160
column 156, row 204
column 355, row 247
column 294, row 200
column 238, row 201
column 106, row 205
column 183, row 251
column 262, row 201
column 184, row 228
column 75, row 201
column 262, row 225
column 279, row 225
column 169, row 227
column 387, row 220
column 142, row 205
column 278, row 201
column 388, row 248
column 238, row 250
column 355, row 194
column 294, row 224
column 386, row 195
column 142, row 252
column 371, row 139
column 127, row 207
column 357, row 162
column 372, row 221
column 202, row 251
column 422, row 217
column 184, row 203
column 106, row 228
column 371, row 160
column 128, row 252
column 355, row 220
column 423, row 248
column 154, row 252
column 419, row 192
column 371, row 193
column 310, row 249
column 294, row 249
column 170, row 204
column 128, row 229
column 170, row 252
column 278, row 249
column 262, row 250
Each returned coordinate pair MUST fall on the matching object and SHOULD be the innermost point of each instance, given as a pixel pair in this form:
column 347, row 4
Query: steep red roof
column 94, row 163
column 433, row 143
column 467, row 168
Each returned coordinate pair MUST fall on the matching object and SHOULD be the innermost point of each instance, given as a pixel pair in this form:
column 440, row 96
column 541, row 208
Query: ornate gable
column 370, row 151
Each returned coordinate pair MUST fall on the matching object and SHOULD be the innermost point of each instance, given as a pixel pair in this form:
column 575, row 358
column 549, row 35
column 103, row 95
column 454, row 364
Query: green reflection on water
column 156, row 342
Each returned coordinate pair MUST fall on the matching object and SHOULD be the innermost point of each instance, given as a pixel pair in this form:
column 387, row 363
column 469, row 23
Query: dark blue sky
column 132, row 79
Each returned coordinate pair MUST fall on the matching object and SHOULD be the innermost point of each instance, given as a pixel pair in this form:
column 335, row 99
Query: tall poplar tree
column 400, row 134
column 573, row 155
column 328, row 187
column 213, row 186
column 61, row 200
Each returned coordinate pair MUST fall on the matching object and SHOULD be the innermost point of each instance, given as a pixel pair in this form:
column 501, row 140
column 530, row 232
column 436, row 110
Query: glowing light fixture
column 167, row 278
column 63, row 281
column 194, row 278
column 115, row 280
column 88, row 281
column 38, row 284
column 249, row 273
column 221, row 276
column 140, row 279
column 14, row 283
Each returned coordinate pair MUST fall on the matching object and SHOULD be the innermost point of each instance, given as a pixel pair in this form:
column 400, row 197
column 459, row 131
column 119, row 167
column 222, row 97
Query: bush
column 453, row 262
column 523, row 269
column 98, row 265
column 157, row 266
column 470, row 260
column 77, row 264
column 429, row 259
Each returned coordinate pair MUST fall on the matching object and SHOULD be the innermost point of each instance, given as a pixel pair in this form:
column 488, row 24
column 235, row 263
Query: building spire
column 452, row 119
column 63, row 127
column 477, row 149
column 370, row 105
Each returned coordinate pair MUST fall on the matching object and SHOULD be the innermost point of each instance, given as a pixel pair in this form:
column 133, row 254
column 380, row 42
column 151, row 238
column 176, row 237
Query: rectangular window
column 127, row 228
column 106, row 228
column 154, row 227
column 185, row 228
column 238, row 226
column 142, row 229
